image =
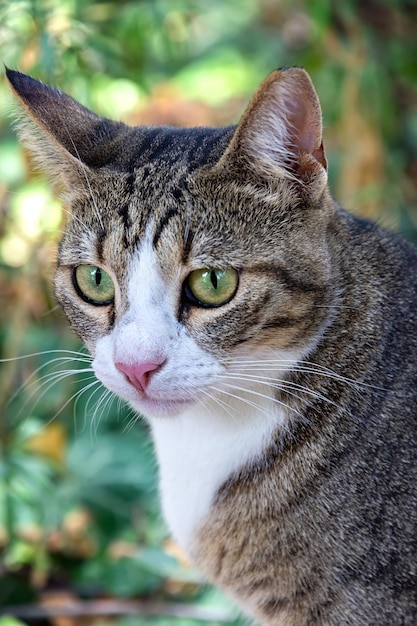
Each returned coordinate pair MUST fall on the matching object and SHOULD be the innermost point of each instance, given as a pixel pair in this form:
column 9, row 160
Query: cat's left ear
column 280, row 133
column 63, row 136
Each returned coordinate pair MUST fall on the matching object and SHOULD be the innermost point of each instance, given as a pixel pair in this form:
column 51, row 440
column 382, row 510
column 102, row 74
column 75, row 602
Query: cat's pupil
column 98, row 276
column 213, row 278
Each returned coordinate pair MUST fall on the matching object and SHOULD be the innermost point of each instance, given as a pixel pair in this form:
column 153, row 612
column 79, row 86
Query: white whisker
column 84, row 355
column 240, row 398
column 49, row 382
column 75, row 395
column 133, row 418
column 280, row 385
column 88, row 230
column 84, row 169
column 223, row 405
column 259, row 394
column 302, row 367
column 102, row 405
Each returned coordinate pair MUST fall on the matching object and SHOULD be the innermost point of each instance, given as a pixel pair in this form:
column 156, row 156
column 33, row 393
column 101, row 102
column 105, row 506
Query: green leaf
column 10, row 621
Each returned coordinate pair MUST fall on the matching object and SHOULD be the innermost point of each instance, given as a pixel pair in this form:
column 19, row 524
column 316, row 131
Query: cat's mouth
column 146, row 400
column 154, row 383
column 150, row 406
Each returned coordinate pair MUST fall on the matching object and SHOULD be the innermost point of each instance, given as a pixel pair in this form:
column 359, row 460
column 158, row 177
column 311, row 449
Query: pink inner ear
column 320, row 156
column 307, row 136
column 281, row 129
column 305, row 121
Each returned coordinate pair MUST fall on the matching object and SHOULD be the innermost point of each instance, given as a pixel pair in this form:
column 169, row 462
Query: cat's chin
column 160, row 408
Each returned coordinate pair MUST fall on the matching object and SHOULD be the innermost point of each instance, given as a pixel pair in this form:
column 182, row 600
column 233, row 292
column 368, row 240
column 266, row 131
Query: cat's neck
column 199, row 450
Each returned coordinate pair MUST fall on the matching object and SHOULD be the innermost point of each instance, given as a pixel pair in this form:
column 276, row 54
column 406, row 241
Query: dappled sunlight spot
column 33, row 214
column 14, row 251
column 35, row 211
column 11, row 163
column 123, row 96
column 218, row 78
column 59, row 23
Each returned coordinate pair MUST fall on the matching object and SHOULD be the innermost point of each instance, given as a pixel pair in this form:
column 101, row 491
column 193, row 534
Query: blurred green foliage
column 78, row 503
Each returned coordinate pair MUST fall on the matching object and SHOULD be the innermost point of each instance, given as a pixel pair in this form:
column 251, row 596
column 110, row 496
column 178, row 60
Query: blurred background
column 79, row 517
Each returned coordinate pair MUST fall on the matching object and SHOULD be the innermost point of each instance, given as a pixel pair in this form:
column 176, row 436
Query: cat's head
column 189, row 254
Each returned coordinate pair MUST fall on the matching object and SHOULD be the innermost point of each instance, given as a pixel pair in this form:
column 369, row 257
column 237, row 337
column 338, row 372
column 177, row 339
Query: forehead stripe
column 165, row 219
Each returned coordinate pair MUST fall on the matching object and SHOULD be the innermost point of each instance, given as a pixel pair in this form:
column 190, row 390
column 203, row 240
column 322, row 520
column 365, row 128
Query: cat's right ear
column 63, row 136
column 280, row 133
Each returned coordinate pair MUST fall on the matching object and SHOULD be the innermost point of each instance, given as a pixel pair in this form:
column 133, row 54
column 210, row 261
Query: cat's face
column 198, row 254
column 196, row 276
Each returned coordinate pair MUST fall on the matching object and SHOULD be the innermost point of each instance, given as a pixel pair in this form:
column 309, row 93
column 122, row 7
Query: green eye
column 94, row 285
column 211, row 287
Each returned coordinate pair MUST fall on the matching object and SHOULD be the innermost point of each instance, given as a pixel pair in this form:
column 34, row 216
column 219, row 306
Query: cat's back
column 382, row 277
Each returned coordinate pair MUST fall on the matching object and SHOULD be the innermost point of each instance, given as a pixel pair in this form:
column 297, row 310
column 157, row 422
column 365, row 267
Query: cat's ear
column 280, row 133
column 61, row 134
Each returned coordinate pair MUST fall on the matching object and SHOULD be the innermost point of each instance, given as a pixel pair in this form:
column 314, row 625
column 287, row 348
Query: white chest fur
column 198, row 451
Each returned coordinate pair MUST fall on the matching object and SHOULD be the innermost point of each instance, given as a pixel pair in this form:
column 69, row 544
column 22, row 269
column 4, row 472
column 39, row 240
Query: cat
column 267, row 335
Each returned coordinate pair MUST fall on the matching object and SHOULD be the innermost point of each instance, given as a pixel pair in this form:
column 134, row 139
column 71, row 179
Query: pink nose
column 138, row 374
